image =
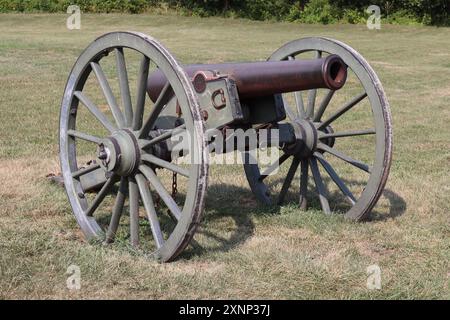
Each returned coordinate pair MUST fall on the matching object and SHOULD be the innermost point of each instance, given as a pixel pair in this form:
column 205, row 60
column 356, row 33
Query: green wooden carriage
column 136, row 186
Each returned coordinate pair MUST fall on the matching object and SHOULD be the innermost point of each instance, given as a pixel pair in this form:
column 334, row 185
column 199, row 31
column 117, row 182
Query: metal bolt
column 102, row 155
column 108, row 175
column 81, row 195
column 204, row 114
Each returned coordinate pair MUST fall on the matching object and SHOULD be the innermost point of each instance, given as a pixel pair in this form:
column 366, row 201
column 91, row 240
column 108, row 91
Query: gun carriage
column 133, row 165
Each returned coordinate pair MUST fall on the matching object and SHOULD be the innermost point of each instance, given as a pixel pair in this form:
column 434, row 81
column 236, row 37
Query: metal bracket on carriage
column 200, row 82
column 201, row 78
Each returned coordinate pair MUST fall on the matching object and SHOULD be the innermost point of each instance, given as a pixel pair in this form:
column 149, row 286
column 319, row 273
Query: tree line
column 427, row 12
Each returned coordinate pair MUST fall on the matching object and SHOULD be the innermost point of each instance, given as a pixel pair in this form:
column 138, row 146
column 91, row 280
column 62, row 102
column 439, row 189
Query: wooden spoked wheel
column 349, row 137
column 132, row 200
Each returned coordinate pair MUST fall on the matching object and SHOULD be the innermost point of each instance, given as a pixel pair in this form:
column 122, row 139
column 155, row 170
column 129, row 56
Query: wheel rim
column 126, row 154
column 316, row 112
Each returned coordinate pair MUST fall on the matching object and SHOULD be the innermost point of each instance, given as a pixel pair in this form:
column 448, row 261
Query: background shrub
column 353, row 16
column 429, row 12
column 319, row 11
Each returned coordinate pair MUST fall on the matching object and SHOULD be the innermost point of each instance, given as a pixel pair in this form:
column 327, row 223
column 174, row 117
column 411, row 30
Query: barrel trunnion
column 135, row 187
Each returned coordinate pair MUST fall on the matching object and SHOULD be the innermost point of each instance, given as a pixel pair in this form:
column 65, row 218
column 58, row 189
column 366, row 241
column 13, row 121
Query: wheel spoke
column 311, row 101
column 84, row 136
column 107, row 92
column 288, row 110
column 165, row 164
column 124, row 86
column 304, row 184
column 134, row 212
column 273, row 166
column 141, row 93
column 117, row 211
column 321, row 190
column 312, row 94
column 150, row 209
column 334, row 176
column 323, row 105
column 165, row 196
column 164, row 97
column 343, row 110
column 84, row 171
column 95, row 111
column 346, row 134
column 300, row 106
column 101, row 195
column 288, row 181
column 298, row 99
column 340, row 155
column 164, row 136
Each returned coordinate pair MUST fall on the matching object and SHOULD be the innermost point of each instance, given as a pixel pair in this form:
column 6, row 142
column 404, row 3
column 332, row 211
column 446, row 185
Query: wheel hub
column 119, row 153
column 306, row 139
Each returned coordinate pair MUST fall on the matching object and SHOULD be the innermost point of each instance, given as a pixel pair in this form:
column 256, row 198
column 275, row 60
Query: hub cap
column 119, row 153
column 306, row 143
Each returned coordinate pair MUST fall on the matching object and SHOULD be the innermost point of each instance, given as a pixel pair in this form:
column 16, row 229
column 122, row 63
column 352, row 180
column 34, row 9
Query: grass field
column 245, row 251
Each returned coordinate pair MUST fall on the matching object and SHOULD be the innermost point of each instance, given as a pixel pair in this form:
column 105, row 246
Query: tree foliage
column 434, row 12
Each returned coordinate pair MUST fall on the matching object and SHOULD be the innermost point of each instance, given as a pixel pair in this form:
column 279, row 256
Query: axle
column 259, row 79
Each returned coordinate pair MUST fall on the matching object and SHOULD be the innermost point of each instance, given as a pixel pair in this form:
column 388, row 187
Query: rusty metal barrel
column 257, row 79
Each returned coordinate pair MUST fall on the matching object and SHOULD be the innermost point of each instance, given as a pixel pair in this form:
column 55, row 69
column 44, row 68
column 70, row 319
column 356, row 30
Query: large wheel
column 132, row 172
column 348, row 135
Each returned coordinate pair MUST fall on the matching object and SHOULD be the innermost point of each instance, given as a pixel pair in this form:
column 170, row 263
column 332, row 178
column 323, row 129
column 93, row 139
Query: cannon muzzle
column 258, row 79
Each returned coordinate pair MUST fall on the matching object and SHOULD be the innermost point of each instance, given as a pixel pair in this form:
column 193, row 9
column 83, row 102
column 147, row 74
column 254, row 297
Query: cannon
column 119, row 136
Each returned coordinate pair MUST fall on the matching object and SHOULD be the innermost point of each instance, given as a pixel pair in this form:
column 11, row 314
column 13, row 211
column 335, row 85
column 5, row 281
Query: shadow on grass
column 239, row 204
column 226, row 201
column 397, row 207
column 339, row 204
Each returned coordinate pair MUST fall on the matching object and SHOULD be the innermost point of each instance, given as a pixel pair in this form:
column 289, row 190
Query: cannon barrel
column 256, row 79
